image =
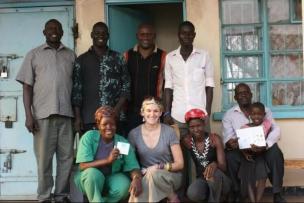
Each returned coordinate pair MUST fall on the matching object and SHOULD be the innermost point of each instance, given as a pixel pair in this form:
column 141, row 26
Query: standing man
column 189, row 83
column 146, row 64
column 100, row 78
column 234, row 119
column 46, row 76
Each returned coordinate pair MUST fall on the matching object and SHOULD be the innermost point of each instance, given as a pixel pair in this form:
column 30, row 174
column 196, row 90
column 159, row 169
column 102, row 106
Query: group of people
column 130, row 100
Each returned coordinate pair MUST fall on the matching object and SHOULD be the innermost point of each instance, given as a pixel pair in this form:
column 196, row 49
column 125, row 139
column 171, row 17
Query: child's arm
column 247, row 154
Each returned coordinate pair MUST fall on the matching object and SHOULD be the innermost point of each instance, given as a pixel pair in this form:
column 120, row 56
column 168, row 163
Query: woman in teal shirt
column 102, row 175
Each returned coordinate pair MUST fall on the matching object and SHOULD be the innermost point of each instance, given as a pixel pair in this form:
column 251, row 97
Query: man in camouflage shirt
column 100, row 78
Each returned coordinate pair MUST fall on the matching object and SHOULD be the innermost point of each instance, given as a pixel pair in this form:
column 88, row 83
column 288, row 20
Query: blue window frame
column 262, row 45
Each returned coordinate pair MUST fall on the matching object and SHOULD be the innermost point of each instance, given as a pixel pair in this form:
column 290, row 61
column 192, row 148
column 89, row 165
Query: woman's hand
column 209, row 171
column 153, row 167
column 113, row 155
column 135, row 186
column 215, row 139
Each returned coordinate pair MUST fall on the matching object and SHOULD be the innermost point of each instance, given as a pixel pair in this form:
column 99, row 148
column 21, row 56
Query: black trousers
column 275, row 162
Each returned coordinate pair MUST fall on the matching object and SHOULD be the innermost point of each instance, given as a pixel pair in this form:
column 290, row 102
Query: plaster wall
column 88, row 12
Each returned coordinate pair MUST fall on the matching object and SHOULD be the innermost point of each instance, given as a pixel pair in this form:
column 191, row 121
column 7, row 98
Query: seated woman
column 207, row 152
column 102, row 169
column 159, row 153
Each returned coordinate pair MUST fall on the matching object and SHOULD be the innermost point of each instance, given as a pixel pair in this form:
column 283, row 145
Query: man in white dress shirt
column 234, row 119
column 189, row 83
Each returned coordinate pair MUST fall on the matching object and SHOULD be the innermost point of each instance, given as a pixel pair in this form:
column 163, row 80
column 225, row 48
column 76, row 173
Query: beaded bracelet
column 168, row 166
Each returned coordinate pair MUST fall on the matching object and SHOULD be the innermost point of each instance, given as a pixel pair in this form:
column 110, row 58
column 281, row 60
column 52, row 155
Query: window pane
column 240, row 11
column 243, row 67
column 278, row 10
column 286, row 37
column 297, row 10
column 283, row 66
column 255, row 89
column 242, row 38
column 288, row 93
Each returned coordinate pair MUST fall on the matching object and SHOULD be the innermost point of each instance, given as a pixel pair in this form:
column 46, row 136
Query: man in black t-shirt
column 145, row 64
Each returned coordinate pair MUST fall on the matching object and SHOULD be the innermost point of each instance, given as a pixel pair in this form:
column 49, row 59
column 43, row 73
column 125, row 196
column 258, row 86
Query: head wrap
column 104, row 111
column 195, row 114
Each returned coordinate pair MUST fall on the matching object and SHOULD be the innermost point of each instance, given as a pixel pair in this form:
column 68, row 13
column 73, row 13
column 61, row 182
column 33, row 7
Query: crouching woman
column 102, row 176
column 160, row 155
column 207, row 152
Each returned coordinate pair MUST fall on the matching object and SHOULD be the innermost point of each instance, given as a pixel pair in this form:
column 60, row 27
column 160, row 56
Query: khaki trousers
column 54, row 136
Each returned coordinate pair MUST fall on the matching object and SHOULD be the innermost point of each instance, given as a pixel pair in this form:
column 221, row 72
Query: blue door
column 21, row 30
column 124, row 16
column 123, row 22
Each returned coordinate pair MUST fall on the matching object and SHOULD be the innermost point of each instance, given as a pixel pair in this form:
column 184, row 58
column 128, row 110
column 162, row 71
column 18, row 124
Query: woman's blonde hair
column 151, row 100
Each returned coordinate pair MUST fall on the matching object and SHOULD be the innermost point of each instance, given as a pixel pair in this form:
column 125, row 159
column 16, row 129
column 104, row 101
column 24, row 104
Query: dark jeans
column 275, row 162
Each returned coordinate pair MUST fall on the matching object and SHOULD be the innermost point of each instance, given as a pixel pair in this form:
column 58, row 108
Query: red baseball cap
column 196, row 113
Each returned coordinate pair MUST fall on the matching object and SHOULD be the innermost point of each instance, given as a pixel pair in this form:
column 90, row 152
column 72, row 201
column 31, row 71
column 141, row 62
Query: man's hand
column 232, row 144
column 247, row 154
column 113, row 155
column 31, row 124
column 117, row 110
column 168, row 120
column 209, row 171
column 78, row 125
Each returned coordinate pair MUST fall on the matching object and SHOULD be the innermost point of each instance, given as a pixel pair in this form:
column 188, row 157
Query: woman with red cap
column 207, row 152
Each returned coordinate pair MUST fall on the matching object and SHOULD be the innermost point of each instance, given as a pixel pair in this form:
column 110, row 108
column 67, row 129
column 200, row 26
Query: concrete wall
column 205, row 16
column 88, row 12
column 166, row 26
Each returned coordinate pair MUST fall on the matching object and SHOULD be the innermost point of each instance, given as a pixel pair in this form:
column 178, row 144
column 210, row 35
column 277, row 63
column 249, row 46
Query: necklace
column 201, row 157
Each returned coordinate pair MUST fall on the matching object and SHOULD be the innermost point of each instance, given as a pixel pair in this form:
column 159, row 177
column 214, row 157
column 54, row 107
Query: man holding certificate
column 234, row 119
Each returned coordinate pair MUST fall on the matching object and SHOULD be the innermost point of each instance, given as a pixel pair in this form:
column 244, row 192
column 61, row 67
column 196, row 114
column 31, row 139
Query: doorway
column 123, row 20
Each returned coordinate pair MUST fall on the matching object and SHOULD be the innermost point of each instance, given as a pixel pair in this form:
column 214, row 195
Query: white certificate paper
column 251, row 135
column 123, row 147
